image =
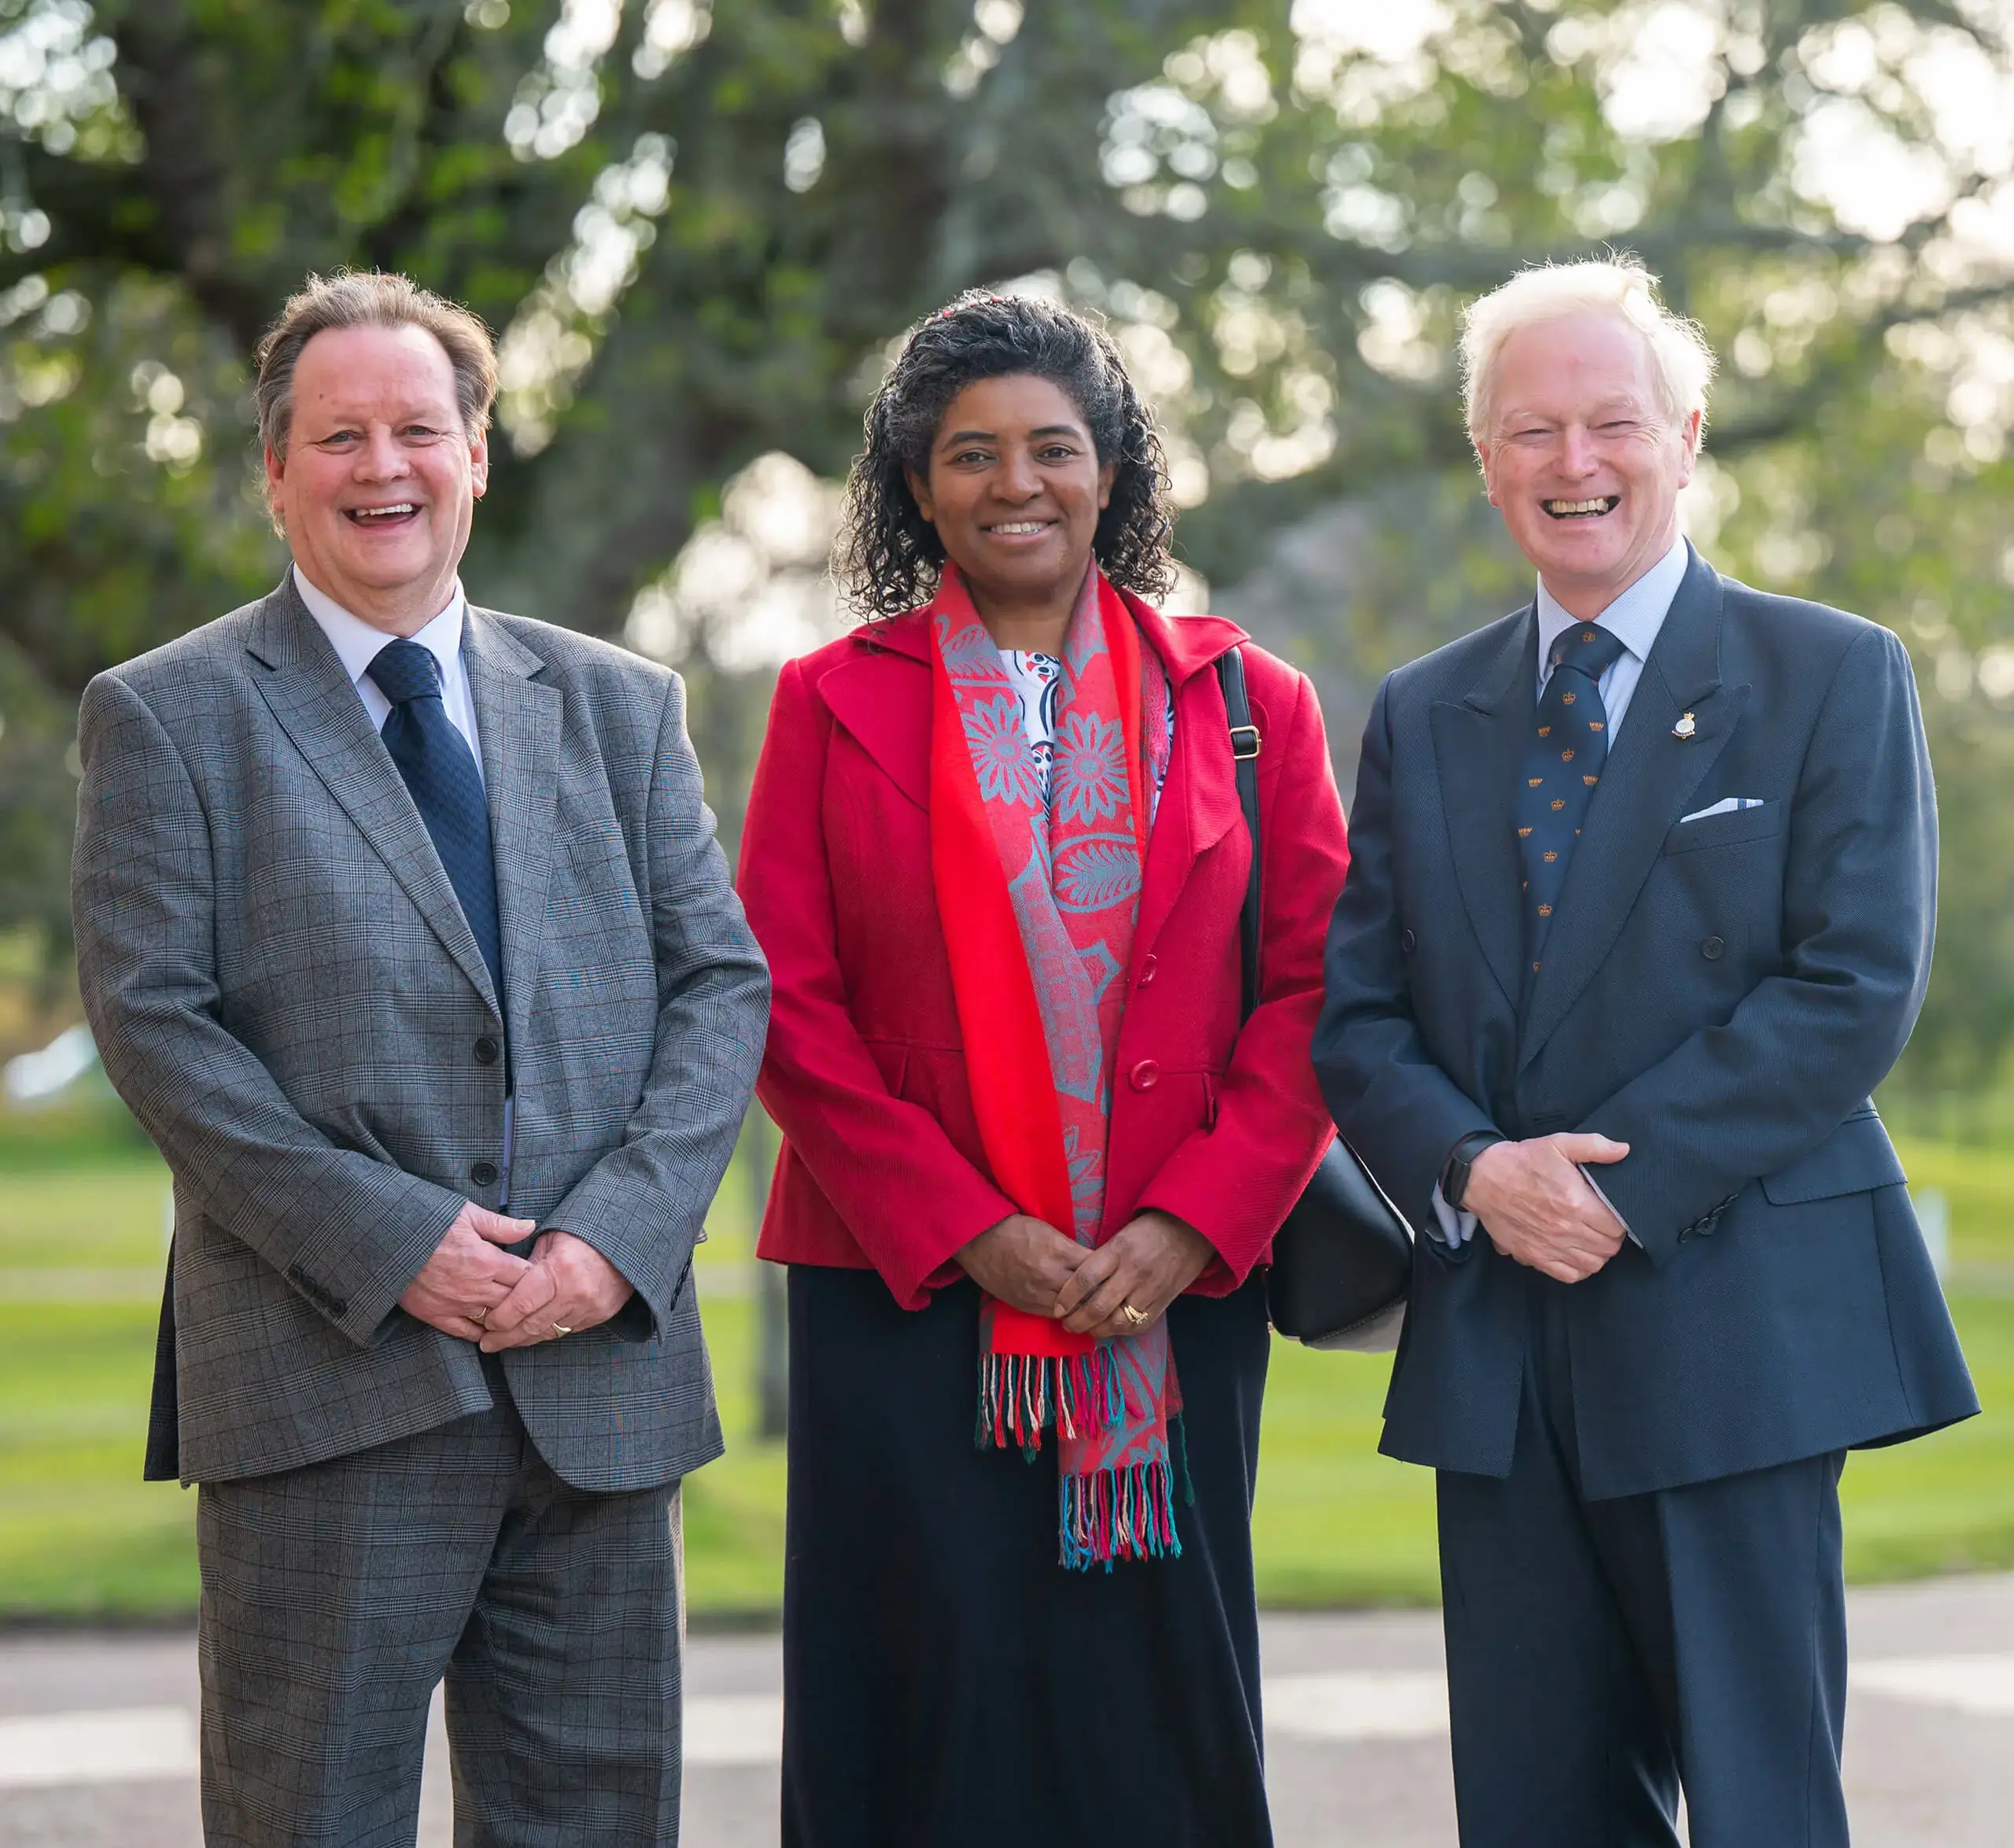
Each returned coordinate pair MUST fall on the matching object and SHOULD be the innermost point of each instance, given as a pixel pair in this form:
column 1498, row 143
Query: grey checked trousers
column 335, row 1597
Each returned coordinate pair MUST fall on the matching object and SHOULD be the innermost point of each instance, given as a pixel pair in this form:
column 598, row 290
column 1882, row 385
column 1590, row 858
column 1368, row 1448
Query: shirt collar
column 357, row 643
column 1634, row 618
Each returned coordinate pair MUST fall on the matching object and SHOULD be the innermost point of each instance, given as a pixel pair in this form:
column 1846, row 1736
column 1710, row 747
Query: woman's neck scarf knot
column 1039, row 893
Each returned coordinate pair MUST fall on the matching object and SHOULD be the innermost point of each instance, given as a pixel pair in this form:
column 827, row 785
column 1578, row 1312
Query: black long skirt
column 947, row 1683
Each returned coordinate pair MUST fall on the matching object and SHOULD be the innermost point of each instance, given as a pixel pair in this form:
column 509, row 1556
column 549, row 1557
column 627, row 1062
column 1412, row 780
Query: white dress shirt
column 357, row 644
column 1635, row 618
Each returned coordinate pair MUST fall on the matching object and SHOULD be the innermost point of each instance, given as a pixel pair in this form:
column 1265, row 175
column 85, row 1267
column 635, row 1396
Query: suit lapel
column 315, row 702
column 1479, row 744
column 518, row 719
column 1650, row 776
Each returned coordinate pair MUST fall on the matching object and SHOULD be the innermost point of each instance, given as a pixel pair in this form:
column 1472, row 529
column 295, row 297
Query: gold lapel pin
column 1686, row 725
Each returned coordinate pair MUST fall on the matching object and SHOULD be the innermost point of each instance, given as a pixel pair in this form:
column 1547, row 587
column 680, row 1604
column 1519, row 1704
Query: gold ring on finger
column 560, row 1328
column 480, row 1318
column 1133, row 1315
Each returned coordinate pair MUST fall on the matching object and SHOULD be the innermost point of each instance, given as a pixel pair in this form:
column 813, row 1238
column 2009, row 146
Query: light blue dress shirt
column 357, row 643
column 1635, row 618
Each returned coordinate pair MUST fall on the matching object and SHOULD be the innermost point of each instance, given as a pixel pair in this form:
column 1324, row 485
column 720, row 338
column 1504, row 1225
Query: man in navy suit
column 1640, row 911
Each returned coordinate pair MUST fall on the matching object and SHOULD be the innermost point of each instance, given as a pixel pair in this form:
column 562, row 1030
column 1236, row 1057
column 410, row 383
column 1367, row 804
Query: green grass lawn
column 80, row 1535
column 113, row 1217
column 1979, row 1185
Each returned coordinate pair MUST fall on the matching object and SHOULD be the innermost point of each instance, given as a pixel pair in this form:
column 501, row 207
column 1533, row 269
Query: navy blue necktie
column 1561, row 770
column 441, row 771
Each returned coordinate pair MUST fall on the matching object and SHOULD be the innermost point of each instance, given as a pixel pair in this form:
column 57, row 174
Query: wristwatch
column 1455, row 1170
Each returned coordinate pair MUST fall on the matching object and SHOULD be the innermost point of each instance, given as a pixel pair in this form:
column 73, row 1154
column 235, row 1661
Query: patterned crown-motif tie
column 1562, row 767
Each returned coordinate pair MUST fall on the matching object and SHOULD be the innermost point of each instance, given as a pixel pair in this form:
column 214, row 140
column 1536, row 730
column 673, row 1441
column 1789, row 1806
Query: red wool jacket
column 882, row 1163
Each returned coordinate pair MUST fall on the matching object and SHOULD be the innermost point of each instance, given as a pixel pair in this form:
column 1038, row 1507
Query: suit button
column 1713, row 950
column 1147, row 971
column 484, row 1174
column 1145, row 1076
column 1408, row 942
column 486, row 1049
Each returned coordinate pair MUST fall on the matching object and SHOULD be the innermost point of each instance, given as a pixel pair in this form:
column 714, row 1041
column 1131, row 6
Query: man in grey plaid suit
column 403, row 930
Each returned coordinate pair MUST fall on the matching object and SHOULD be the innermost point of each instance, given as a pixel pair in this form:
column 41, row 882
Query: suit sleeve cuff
column 1588, row 1174
column 357, row 1298
column 637, row 1245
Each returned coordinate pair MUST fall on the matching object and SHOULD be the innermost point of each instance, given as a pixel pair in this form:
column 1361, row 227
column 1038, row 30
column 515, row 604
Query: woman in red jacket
column 1032, row 1159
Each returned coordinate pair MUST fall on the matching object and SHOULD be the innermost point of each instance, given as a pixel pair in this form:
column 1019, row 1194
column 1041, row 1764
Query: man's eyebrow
column 362, row 419
column 970, row 435
column 1604, row 408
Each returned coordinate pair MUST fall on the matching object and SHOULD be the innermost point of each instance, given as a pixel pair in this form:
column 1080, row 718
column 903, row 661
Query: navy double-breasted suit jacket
column 1721, row 993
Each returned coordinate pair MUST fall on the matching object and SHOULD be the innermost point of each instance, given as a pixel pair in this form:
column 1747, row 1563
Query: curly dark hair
column 888, row 556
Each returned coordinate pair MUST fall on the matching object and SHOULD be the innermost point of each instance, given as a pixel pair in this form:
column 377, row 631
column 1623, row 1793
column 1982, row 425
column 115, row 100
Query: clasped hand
column 1148, row 1263
column 474, row 1290
column 1538, row 1207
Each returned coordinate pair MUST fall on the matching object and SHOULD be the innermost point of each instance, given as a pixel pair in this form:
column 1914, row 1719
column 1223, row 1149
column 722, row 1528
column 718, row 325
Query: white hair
column 1680, row 360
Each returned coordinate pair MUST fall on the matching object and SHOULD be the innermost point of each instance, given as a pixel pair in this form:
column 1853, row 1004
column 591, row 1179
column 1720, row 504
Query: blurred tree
column 697, row 225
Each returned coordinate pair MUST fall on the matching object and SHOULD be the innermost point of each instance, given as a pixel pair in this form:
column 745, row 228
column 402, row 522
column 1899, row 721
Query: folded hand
column 1024, row 1261
column 468, row 1276
column 1538, row 1207
column 568, row 1287
column 1146, row 1264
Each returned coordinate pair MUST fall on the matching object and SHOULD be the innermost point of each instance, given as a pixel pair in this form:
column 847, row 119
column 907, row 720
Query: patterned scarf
column 1039, row 899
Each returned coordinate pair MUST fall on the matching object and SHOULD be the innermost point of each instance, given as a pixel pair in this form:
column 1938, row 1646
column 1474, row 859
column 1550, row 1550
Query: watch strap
column 1455, row 1170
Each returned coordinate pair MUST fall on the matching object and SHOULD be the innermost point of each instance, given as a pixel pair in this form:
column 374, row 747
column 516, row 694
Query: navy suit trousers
column 1600, row 1653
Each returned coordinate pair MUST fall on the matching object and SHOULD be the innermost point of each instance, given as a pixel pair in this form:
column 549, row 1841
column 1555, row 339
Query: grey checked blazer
column 285, row 990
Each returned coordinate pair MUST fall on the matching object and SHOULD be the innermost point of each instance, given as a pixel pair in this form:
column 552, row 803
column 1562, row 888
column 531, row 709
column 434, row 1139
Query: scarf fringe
column 1114, row 1514
column 1021, row 1395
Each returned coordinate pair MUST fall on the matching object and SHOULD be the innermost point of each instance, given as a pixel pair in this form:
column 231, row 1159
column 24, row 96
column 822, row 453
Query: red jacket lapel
column 879, row 688
column 1198, row 802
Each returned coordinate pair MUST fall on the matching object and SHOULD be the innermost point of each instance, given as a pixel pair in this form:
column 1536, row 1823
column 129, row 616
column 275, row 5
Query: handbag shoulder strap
column 1244, row 746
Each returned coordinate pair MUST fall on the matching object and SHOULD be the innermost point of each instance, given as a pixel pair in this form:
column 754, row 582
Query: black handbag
column 1342, row 1262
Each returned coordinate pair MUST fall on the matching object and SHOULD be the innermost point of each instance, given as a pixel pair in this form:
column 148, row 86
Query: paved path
column 98, row 1736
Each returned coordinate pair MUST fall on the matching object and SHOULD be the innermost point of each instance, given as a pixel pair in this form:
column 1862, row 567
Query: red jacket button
column 1146, row 972
column 1146, row 1075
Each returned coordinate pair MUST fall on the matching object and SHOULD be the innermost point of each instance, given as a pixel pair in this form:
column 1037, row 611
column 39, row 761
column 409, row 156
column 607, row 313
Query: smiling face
column 1581, row 457
column 380, row 478
column 1015, row 490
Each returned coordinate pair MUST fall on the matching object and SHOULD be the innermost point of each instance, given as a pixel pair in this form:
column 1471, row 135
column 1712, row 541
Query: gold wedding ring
column 480, row 1317
column 560, row 1328
column 1133, row 1315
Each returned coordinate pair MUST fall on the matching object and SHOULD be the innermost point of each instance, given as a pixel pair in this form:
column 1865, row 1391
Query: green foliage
column 36, row 792
column 698, row 235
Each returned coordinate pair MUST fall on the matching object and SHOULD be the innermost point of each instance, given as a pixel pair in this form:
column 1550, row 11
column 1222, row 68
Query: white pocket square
column 1726, row 805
